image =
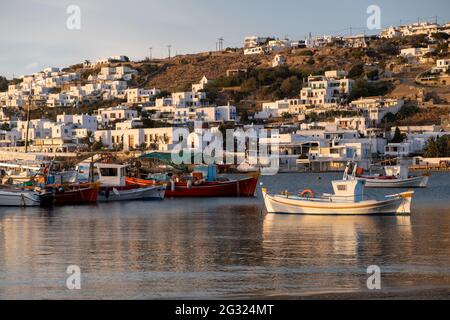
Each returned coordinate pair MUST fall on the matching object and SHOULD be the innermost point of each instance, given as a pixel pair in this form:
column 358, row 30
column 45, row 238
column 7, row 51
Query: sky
column 34, row 33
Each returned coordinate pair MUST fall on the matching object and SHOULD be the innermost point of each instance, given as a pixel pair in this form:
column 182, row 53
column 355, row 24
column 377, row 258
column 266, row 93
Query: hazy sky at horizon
column 34, row 35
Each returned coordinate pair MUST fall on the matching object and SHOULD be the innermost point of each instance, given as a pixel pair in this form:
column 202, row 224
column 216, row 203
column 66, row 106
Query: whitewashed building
column 375, row 109
column 325, row 90
column 110, row 115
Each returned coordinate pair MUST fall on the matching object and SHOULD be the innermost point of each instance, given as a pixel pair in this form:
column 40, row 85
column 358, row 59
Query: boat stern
column 424, row 180
column 406, row 201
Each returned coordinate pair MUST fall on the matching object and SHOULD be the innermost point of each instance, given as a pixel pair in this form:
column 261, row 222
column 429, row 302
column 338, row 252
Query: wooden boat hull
column 129, row 193
column 397, row 204
column 235, row 188
column 413, row 182
column 76, row 196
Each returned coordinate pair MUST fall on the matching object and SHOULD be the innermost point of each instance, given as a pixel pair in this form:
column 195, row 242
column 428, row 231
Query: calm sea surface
column 224, row 248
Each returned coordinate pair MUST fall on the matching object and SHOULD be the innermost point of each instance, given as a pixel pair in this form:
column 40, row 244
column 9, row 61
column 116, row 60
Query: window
column 108, row 172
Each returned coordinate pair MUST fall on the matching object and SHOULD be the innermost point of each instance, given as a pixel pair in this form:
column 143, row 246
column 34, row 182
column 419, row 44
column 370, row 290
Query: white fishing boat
column 115, row 188
column 348, row 199
column 395, row 177
column 16, row 173
column 18, row 198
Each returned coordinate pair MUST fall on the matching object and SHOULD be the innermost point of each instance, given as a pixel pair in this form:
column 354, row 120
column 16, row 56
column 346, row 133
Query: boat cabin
column 111, row 175
column 400, row 172
column 348, row 190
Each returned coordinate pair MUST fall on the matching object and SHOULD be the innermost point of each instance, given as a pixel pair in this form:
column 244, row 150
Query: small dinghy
column 348, row 199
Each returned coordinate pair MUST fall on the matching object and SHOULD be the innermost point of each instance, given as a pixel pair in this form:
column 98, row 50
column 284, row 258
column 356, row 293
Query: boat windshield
column 108, row 172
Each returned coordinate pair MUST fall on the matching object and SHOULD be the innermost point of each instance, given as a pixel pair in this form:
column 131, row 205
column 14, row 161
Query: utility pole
column 150, row 49
column 28, row 121
column 169, row 47
column 220, row 44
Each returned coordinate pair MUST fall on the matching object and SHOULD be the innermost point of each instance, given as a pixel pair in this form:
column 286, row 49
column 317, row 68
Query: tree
column 3, row 84
column 98, row 145
column 373, row 75
column 443, row 144
column 362, row 88
column 286, row 116
column 437, row 148
column 87, row 142
column 431, row 149
column 398, row 136
column 441, row 36
column 291, row 86
column 357, row 71
column 310, row 61
column 249, row 85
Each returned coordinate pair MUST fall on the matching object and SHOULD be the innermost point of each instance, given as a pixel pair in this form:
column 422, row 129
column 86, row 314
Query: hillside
column 377, row 69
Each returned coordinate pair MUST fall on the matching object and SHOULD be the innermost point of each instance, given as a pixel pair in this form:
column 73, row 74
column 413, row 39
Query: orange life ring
column 308, row 193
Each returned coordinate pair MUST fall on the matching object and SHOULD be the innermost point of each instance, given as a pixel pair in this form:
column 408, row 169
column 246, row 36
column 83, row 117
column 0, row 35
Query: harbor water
column 227, row 248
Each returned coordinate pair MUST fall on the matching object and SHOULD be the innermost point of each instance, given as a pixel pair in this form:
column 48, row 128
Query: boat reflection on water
column 331, row 254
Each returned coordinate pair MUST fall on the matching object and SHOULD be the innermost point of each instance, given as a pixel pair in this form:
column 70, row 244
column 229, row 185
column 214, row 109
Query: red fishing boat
column 195, row 186
column 75, row 194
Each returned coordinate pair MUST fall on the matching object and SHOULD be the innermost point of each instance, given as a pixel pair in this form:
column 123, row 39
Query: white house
column 196, row 87
column 189, row 99
column 328, row 89
column 391, row 32
column 443, row 65
column 59, row 100
column 255, row 50
column 9, row 138
column 352, row 123
column 110, row 115
column 375, row 109
column 415, row 53
column 139, row 95
column 358, row 41
column 254, row 41
column 161, row 139
column 129, row 124
column 278, row 61
column 398, row 149
column 225, row 113
column 319, row 41
column 79, row 120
